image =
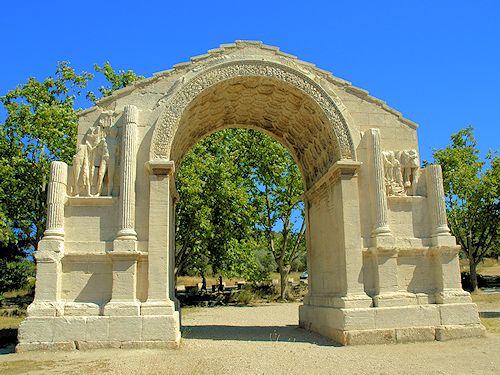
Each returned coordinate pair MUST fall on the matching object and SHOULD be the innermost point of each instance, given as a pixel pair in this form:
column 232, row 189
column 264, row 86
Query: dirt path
column 265, row 340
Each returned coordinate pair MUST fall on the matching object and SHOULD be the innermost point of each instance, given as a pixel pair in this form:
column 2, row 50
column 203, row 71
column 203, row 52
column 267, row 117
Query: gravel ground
column 266, row 340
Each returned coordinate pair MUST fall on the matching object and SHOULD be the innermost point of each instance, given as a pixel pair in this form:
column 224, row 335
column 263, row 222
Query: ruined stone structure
column 383, row 266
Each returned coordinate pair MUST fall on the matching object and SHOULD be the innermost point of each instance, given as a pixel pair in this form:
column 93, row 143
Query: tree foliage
column 278, row 187
column 116, row 80
column 472, row 189
column 215, row 212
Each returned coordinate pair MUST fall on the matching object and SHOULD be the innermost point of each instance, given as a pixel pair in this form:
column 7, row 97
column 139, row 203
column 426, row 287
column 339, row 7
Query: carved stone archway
column 383, row 266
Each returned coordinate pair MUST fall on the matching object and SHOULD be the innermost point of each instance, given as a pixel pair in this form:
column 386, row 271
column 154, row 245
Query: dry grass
column 10, row 322
column 489, row 305
column 488, row 267
column 486, row 297
column 293, row 275
column 491, row 324
column 188, row 310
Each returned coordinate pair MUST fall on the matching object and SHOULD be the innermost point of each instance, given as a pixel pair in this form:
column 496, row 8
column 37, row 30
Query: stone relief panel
column 96, row 159
column 400, row 172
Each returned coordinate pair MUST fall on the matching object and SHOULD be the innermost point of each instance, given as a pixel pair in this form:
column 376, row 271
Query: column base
column 394, row 299
column 383, row 240
column 453, row 296
column 124, row 245
column 158, row 308
column 445, row 240
column 45, row 308
column 125, row 308
column 349, row 301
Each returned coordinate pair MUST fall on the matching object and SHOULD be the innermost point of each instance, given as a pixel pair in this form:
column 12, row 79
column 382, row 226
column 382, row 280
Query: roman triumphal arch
column 383, row 266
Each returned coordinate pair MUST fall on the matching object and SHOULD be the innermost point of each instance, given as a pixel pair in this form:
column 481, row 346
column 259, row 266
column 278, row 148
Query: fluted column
column 50, row 250
column 124, row 256
column 127, row 182
column 444, row 251
column 380, row 228
column 435, row 196
column 55, row 200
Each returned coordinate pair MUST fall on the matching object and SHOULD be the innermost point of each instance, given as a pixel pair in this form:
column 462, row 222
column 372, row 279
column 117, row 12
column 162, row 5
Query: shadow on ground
column 289, row 333
column 489, row 314
column 8, row 340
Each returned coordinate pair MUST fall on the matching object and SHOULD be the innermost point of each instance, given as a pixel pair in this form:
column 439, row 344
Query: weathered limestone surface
column 383, row 267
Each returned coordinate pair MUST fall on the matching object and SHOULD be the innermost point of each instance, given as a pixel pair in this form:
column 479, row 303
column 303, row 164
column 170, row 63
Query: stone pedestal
column 124, row 300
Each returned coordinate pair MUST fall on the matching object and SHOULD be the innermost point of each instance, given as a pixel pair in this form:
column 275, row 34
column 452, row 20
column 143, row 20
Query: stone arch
column 383, row 265
column 296, row 96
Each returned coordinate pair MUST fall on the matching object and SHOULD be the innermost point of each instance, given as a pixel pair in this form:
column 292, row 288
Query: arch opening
column 222, row 218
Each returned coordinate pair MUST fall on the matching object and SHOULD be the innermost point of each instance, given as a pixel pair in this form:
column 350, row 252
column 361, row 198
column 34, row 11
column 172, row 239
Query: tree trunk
column 284, row 272
column 473, row 275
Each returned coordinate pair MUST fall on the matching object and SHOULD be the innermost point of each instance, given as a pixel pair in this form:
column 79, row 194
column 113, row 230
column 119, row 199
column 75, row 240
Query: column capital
column 340, row 168
column 160, row 167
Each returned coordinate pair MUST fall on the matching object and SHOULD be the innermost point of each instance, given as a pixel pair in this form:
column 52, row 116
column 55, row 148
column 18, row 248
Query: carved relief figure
column 109, row 153
column 79, row 167
column 400, row 172
column 95, row 152
column 409, row 167
column 103, row 152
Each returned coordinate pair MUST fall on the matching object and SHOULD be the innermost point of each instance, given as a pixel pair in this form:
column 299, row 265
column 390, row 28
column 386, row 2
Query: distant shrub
column 244, row 297
column 16, row 273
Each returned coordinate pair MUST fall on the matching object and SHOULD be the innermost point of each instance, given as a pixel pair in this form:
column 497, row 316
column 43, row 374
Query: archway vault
column 257, row 94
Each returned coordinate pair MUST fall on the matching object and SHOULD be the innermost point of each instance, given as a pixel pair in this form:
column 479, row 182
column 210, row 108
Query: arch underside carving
column 262, row 95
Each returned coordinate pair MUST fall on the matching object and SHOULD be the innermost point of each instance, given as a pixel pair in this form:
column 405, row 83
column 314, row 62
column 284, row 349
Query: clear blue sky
column 437, row 62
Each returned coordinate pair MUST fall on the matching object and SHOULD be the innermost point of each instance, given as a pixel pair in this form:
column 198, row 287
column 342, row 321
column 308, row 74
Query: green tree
column 239, row 189
column 278, row 188
column 472, row 189
column 215, row 214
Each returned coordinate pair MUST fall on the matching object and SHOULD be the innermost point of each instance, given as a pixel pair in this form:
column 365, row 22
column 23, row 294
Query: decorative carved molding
column 160, row 167
column 170, row 118
column 341, row 168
